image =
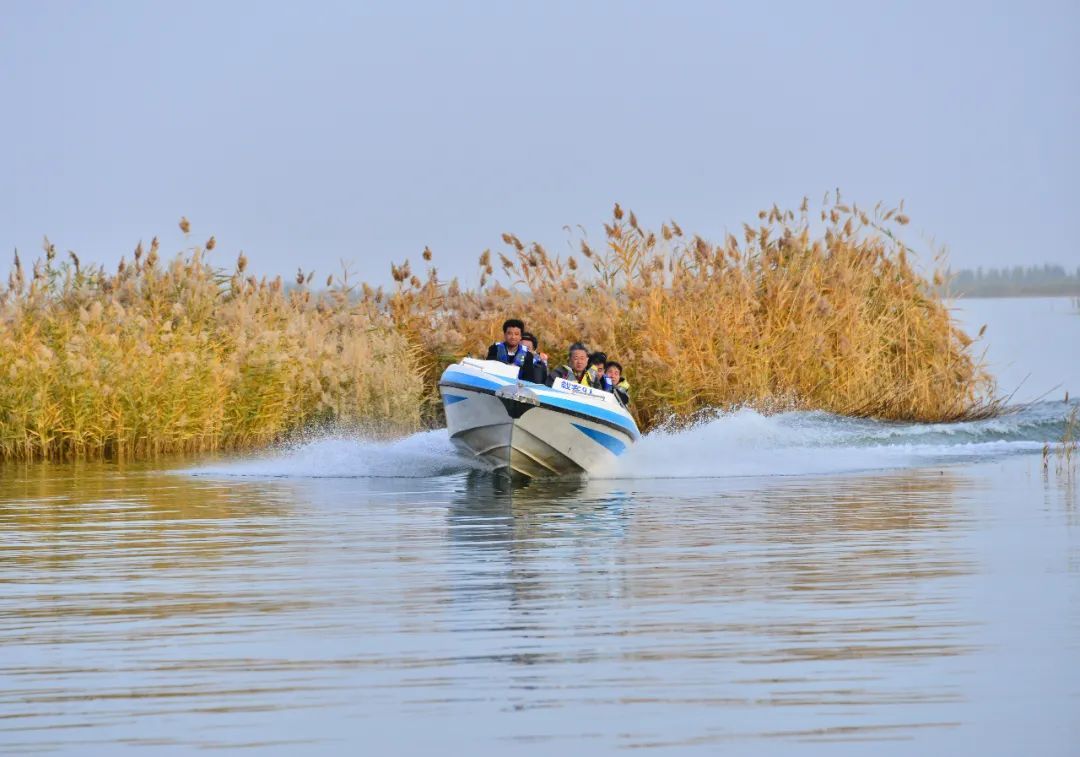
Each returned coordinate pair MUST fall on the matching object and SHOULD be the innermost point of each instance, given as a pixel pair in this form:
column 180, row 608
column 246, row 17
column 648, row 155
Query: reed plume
column 182, row 357
column 185, row 358
column 837, row 320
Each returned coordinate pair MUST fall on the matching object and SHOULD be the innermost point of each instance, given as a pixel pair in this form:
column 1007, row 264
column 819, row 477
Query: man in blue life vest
column 510, row 350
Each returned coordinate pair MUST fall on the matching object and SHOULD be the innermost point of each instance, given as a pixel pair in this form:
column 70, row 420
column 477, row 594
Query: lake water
column 798, row 584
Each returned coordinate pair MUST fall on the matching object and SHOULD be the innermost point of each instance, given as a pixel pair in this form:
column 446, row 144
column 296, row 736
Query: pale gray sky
column 304, row 133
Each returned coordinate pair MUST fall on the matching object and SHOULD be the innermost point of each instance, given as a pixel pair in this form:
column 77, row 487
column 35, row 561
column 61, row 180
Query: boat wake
column 427, row 454
column 741, row 443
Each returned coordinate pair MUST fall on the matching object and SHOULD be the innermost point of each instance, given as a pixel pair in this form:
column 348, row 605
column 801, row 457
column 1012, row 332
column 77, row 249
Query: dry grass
column 1069, row 447
column 184, row 358
column 1070, row 441
column 839, row 320
column 181, row 357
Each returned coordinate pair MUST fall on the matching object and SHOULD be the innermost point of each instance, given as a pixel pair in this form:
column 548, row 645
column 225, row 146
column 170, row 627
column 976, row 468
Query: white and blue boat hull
column 532, row 430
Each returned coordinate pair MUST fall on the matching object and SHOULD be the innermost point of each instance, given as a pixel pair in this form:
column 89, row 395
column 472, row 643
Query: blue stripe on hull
column 606, row 440
column 469, row 380
column 569, row 404
column 548, row 397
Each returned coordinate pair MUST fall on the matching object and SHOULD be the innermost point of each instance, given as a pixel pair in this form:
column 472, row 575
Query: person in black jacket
column 535, row 368
column 596, row 365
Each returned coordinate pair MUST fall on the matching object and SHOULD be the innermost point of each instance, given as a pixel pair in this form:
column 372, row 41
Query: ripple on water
column 155, row 610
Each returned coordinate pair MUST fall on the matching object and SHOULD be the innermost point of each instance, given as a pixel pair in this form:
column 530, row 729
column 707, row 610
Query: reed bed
column 181, row 357
column 821, row 310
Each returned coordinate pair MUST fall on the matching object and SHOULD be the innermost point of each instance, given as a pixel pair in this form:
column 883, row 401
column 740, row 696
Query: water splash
column 741, row 443
column 423, row 455
column 746, row 443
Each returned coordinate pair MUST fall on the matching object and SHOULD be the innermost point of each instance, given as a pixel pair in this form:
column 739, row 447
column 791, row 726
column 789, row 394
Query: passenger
column 577, row 370
column 596, row 367
column 614, row 382
column 510, row 349
column 535, row 368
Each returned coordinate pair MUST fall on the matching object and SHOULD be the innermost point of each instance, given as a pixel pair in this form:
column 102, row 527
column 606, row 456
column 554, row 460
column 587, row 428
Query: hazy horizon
column 305, row 136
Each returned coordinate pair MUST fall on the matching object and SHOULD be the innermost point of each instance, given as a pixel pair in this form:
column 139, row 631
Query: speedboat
column 532, row 430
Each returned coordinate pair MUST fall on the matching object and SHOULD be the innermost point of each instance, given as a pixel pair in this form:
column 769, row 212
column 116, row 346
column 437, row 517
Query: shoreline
column 1023, row 296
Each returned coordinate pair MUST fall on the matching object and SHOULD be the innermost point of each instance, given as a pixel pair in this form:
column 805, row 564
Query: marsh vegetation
column 804, row 309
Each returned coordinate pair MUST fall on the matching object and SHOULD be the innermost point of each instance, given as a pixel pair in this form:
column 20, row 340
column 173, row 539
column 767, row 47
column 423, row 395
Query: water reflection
column 486, row 510
column 144, row 608
column 108, row 571
column 534, row 547
column 697, row 584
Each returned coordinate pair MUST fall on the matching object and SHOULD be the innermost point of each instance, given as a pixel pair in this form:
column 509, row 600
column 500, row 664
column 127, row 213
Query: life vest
column 606, row 385
column 504, row 356
column 622, row 392
column 587, row 379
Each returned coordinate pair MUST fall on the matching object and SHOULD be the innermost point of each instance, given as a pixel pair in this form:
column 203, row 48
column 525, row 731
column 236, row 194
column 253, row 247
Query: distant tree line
column 1018, row 281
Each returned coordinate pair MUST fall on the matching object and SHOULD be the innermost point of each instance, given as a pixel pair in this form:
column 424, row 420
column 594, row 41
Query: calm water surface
column 899, row 589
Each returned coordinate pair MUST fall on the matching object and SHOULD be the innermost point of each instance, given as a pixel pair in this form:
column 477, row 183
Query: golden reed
column 820, row 313
column 184, row 358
